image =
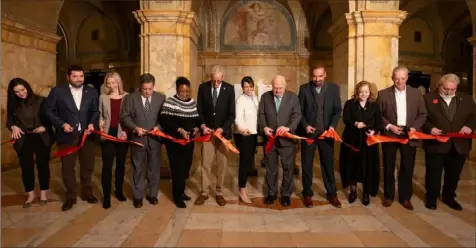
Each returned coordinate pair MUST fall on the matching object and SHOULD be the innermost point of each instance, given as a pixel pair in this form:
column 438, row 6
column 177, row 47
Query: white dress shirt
column 77, row 96
column 218, row 90
column 144, row 99
column 246, row 114
column 401, row 104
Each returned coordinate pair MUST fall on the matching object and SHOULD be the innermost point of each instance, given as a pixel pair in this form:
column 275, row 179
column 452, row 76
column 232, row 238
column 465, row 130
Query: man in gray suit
column 279, row 112
column 140, row 114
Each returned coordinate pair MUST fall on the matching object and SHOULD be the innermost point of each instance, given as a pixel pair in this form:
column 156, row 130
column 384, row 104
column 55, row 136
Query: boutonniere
column 435, row 101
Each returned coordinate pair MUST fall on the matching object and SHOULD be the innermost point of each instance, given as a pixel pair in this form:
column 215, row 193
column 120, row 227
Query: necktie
column 147, row 105
column 278, row 102
column 215, row 96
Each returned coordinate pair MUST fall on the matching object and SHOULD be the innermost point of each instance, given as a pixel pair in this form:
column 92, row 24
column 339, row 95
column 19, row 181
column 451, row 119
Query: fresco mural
column 257, row 25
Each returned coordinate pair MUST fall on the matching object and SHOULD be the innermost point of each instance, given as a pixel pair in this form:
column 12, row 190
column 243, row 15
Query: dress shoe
column 91, row 199
column 106, row 203
column 285, row 201
column 244, row 198
column 269, row 200
column 452, row 203
column 352, row 196
column 153, row 200
column 387, row 203
column 43, row 202
column 186, row 197
column 137, row 203
column 68, row 204
column 334, row 201
column 307, row 201
column 220, row 200
column 366, row 199
column 27, row 204
column 120, row 196
column 201, row 199
column 179, row 203
column 430, row 204
column 407, row 204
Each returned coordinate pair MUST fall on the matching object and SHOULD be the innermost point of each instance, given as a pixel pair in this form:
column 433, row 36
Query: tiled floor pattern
column 236, row 224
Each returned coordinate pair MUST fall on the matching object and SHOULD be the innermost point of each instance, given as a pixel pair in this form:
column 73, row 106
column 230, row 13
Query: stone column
column 366, row 48
column 472, row 40
column 169, row 41
column 29, row 53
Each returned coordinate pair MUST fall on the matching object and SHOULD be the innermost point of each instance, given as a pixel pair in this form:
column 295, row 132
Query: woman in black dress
column 179, row 119
column 362, row 118
column 33, row 137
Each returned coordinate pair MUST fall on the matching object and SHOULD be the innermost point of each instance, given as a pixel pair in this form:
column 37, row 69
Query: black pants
column 180, row 160
column 405, row 174
column 33, row 145
column 326, row 156
column 111, row 150
column 452, row 163
column 247, row 147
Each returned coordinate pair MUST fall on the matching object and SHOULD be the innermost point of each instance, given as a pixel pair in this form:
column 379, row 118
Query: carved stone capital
column 169, row 22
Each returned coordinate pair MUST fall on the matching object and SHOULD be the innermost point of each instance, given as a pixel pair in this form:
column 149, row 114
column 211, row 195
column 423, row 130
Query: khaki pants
column 213, row 152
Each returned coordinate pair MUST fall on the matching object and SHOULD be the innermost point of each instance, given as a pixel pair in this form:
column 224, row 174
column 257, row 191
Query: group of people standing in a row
column 72, row 109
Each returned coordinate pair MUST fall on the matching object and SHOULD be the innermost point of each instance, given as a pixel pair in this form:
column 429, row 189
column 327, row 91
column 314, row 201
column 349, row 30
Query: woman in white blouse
column 246, row 129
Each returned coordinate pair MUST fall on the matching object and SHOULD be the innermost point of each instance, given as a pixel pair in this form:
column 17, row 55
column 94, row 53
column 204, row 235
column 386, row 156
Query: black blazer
column 332, row 106
column 465, row 115
column 370, row 115
column 13, row 120
column 223, row 116
column 60, row 108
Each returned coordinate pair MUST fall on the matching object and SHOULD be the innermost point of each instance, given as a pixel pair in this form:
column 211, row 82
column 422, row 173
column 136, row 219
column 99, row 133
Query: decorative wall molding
column 22, row 35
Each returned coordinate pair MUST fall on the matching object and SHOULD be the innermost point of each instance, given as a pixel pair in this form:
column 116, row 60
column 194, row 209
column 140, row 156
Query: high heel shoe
column 244, row 198
column 352, row 196
column 366, row 199
column 43, row 202
column 27, row 204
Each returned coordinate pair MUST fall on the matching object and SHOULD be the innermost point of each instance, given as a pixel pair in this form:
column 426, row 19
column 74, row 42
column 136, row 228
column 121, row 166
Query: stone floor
column 236, row 224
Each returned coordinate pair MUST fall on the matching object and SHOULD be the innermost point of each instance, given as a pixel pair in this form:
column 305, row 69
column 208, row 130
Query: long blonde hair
column 120, row 86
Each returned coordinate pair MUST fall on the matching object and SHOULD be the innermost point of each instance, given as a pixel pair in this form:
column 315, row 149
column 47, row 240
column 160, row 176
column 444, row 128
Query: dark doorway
column 94, row 78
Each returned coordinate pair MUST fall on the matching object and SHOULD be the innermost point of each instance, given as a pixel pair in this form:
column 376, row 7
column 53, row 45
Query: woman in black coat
column 33, row 137
column 362, row 118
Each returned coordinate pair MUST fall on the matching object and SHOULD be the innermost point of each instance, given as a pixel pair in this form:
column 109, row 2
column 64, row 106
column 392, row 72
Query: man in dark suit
column 140, row 114
column 403, row 110
column 216, row 108
column 448, row 112
column 279, row 112
column 321, row 110
column 73, row 109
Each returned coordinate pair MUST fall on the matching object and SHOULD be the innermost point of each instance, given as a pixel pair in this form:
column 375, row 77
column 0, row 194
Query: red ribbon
column 327, row 134
column 12, row 141
column 69, row 150
column 204, row 138
column 372, row 140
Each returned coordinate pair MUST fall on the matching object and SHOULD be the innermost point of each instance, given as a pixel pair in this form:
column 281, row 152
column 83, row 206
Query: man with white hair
column 216, row 109
column 279, row 112
column 448, row 112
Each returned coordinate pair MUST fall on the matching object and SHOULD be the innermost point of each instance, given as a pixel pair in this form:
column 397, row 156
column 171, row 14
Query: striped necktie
column 147, row 105
column 215, row 96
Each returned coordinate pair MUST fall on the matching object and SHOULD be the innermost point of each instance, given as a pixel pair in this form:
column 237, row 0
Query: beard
column 318, row 83
column 447, row 97
column 77, row 85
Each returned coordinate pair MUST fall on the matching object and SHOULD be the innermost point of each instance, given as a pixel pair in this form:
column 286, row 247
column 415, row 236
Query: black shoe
column 137, row 203
column 366, row 199
column 430, row 204
column 120, row 196
column 253, row 172
column 285, row 201
column 269, row 200
column 68, row 204
column 180, row 203
column 153, row 200
column 106, row 203
column 91, row 199
column 352, row 196
column 186, row 197
column 452, row 203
